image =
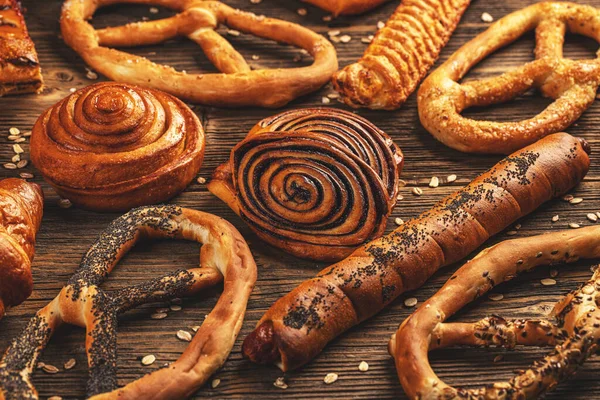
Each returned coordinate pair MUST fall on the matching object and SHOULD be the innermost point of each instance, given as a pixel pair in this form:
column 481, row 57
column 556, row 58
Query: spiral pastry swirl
column 314, row 182
column 113, row 146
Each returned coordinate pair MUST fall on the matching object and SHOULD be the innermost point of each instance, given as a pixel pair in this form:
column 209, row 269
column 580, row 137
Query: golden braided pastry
column 21, row 208
column 224, row 257
column 574, row 336
column 571, row 83
column 236, row 85
column 113, row 146
column 400, row 55
column 338, row 7
column 316, row 183
column 299, row 325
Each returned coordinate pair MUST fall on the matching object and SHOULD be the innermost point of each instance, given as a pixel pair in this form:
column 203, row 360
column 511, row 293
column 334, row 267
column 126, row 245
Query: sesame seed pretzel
column 224, row 257
column 574, row 336
column 236, row 85
column 572, row 83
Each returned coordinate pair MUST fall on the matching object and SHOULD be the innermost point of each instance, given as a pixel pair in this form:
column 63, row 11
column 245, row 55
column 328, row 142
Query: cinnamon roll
column 316, row 183
column 114, row 146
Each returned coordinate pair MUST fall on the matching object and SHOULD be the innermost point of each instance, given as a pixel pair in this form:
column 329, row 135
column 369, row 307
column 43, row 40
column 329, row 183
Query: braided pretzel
column 224, row 256
column 571, row 83
column 574, row 336
column 237, row 85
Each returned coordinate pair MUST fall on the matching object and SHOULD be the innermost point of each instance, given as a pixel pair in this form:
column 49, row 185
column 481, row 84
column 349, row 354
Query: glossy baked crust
column 345, row 7
column 113, row 146
column 21, row 208
column 20, row 70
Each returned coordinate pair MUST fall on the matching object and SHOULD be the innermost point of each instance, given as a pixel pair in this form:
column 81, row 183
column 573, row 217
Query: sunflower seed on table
column 22, row 164
column 302, row 12
column 568, row 197
column 26, row 175
column 498, row 358
column 184, row 335
column 195, row 328
column 159, row 315
column 27, row 134
column 14, row 137
column 10, row 166
column 175, row 307
column 70, row 364
column 548, row 282
column 434, row 182
column 19, row 140
column 153, row 10
column 148, row 360
column 233, row 32
column 14, row 131
column 330, row 378
column 555, row 218
column 325, row 100
column 363, row 366
column 50, row 369
column 398, row 221
column 486, row 17
column 16, row 158
column 215, row 382
column 64, row 203
column 334, row 32
column 280, row 383
column 345, row 38
column 17, row 148
column 380, row 24
column 55, row 398
column 451, row 178
column 576, row 200
column 496, row 296
column 574, row 225
column 417, row 191
column 592, row 217
column 255, row 1
column 327, row 18
column 411, row 302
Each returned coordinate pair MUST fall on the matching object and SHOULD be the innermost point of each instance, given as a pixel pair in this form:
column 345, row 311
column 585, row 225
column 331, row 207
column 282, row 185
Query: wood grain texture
column 66, row 233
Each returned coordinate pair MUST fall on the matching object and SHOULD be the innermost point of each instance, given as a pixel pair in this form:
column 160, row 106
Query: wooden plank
column 66, row 234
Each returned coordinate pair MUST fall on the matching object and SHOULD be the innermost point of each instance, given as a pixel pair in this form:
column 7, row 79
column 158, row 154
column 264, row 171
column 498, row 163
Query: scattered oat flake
column 486, row 17
column 553, row 273
column 70, row 364
column 14, row 137
column 330, row 378
column 255, row 1
column 417, row 191
column 64, row 203
column 400, row 197
column 10, row 166
column 498, row 358
column 233, row 32
column 380, row 24
column 50, row 369
column 325, row 100
column 518, row 226
column 20, row 140
column 548, row 282
column 153, row 10
column 55, row 398
column 398, row 221
column 175, row 307
column 345, row 38
column 411, row 302
column 16, row 158
column 162, row 310
column 91, row 75
column 255, row 57
column 576, row 200
column 327, row 18
column 574, row 225
column 280, row 383
column 195, row 328
column 363, row 366
column 511, row 233
column 451, row 178
column 22, row 164
column 184, row 335
column 148, row 360
column 18, row 149
column 26, row 175
column 401, row 183
column 14, row 131
column 555, row 218
column 496, row 296
column 159, row 315
column 215, row 383
column 201, row 180
column 334, row 32
column 73, row 90
column 434, row 182
column 27, row 133
column 302, row 12
column 366, row 40
column 592, row 217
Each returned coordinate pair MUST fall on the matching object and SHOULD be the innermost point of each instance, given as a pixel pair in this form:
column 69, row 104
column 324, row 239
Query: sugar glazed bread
column 315, row 182
column 20, row 70
column 573, row 337
column 400, row 54
column 299, row 325
column 21, row 208
column 113, row 146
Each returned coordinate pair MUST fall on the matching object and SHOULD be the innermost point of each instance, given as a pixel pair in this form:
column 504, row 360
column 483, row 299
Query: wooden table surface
column 67, row 233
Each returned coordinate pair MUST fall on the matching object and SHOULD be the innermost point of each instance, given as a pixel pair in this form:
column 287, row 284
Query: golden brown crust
column 237, row 85
column 400, row 55
column 224, row 257
column 21, row 205
column 345, row 7
column 571, row 83
column 356, row 288
column 316, row 183
column 19, row 66
column 574, row 335
column 113, row 146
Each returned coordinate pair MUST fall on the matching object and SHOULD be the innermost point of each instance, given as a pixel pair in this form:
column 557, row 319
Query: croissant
column 21, row 205
column 316, row 183
column 114, row 146
column 299, row 325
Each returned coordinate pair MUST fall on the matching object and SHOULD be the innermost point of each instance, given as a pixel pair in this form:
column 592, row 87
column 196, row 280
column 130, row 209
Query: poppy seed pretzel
column 571, row 83
column 575, row 335
column 223, row 256
column 236, row 85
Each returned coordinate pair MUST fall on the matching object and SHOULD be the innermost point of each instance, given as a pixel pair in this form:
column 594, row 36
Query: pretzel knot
column 224, row 257
column 571, row 83
column 236, row 85
column 574, row 336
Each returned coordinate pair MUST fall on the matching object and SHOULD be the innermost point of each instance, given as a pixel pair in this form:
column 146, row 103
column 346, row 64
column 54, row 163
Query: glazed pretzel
column 571, row 83
column 574, row 336
column 236, row 85
column 224, row 256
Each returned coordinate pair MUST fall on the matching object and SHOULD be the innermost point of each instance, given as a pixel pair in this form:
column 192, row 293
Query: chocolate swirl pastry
column 316, row 183
column 113, row 146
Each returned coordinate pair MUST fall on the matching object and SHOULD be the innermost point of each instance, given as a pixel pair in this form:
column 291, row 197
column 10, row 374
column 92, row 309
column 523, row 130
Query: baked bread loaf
column 20, row 70
column 316, row 183
column 400, row 54
column 299, row 325
column 571, row 83
column 21, row 208
column 573, row 337
column 236, row 85
column 344, row 7
column 224, row 257
column 113, row 146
